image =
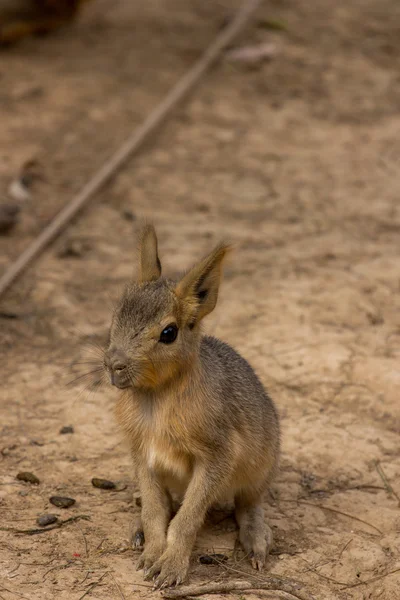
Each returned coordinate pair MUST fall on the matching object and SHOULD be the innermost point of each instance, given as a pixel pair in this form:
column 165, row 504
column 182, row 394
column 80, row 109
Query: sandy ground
column 296, row 162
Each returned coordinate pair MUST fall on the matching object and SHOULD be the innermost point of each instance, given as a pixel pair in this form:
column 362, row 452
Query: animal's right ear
column 149, row 262
column 198, row 290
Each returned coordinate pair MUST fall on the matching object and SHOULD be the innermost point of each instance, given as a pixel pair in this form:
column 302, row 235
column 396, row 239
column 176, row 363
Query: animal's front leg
column 156, row 513
column 206, row 484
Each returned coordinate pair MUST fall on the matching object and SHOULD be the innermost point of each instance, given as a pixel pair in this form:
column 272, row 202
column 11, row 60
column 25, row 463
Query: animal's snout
column 117, row 362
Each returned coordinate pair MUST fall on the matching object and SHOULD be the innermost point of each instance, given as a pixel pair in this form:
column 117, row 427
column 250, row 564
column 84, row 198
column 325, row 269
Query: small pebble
column 203, row 207
column 23, row 492
column 103, row 484
column 45, row 520
column 28, row 477
column 62, row 502
column 129, row 215
column 67, row 429
column 212, row 559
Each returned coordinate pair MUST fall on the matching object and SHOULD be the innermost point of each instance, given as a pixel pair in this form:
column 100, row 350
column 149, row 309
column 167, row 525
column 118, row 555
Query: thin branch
column 344, row 548
column 64, row 566
column 95, row 584
column 274, row 584
column 45, row 529
column 145, row 585
column 377, row 578
column 118, row 588
column 339, row 489
column 13, row 592
column 84, row 539
column 330, row 579
column 386, row 481
column 336, row 511
column 313, row 569
column 84, row 579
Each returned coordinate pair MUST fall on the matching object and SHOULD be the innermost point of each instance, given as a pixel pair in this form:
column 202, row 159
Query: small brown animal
column 197, row 419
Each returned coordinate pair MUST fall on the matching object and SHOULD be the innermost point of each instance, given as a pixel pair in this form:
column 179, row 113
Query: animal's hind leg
column 136, row 533
column 254, row 534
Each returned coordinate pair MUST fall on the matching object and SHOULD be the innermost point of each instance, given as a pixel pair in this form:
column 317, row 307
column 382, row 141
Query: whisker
column 83, row 393
column 90, row 388
column 87, row 341
column 93, row 351
column 71, row 364
column 88, row 374
column 98, row 385
column 91, row 391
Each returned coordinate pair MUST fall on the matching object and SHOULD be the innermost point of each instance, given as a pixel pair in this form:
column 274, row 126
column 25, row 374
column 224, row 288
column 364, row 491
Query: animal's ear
column 198, row 289
column 149, row 263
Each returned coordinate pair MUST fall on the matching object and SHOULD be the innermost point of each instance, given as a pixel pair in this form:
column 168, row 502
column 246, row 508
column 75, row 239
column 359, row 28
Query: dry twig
column 45, row 529
column 95, row 584
column 313, row 569
column 336, row 511
column 344, row 548
column 13, row 592
column 273, row 583
column 84, row 540
column 118, row 588
column 386, row 481
column 377, row 578
column 69, row 563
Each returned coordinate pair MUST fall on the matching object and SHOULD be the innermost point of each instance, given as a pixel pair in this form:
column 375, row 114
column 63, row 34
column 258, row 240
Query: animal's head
column 155, row 328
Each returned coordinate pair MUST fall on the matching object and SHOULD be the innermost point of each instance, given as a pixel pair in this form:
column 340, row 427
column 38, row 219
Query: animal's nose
column 116, row 360
column 117, row 363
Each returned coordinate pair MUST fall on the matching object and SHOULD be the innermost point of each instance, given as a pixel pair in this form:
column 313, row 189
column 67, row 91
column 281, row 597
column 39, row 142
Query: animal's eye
column 169, row 334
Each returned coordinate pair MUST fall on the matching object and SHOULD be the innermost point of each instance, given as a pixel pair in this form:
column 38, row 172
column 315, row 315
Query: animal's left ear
column 150, row 265
column 199, row 287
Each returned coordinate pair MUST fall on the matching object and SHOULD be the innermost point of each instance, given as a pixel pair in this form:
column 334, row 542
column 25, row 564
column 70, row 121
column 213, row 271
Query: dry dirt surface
column 295, row 161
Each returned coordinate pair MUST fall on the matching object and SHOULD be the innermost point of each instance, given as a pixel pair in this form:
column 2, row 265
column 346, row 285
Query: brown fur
column 196, row 417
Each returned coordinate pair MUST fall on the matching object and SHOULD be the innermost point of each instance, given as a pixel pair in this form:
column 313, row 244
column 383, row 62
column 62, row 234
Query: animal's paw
column 138, row 540
column 150, row 556
column 170, row 569
column 136, row 536
column 257, row 561
column 256, row 543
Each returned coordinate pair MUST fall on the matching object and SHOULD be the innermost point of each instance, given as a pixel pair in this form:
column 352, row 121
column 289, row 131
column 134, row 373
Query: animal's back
column 244, row 402
column 232, row 375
